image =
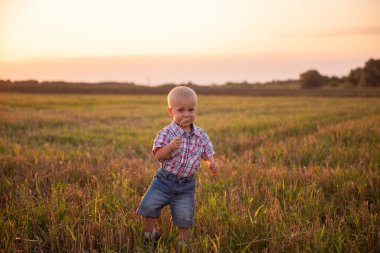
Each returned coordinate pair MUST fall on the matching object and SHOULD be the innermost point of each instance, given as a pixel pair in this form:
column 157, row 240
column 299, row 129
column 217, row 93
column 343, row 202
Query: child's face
column 183, row 111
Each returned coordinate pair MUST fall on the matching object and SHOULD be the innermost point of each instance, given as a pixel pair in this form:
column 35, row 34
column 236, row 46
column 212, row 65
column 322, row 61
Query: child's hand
column 213, row 168
column 176, row 143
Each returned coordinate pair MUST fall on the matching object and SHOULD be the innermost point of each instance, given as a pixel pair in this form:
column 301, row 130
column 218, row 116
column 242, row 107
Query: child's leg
column 150, row 232
column 149, row 223
column 184, row 234
column 182, row 209
column 155, row 198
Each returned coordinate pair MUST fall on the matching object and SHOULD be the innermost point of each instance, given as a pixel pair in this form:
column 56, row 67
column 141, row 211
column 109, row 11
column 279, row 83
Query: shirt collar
column 180, row 131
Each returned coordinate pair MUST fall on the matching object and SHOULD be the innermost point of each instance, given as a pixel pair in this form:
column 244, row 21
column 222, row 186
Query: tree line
column 367, row 76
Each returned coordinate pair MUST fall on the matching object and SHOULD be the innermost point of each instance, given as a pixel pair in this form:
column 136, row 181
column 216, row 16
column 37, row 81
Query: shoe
column 151, row 241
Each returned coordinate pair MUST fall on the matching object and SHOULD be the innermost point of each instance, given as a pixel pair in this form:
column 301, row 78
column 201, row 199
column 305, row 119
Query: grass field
column 296, row 174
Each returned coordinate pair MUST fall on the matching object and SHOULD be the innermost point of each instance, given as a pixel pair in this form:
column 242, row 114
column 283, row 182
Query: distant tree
column 354, row 76
column 5, row 82
column 244, row 84
column 334, row 81
column 370, row 76
column 27, row 82
column 312, row 79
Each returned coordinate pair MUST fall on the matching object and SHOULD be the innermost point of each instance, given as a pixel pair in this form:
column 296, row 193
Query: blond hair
column 180, row 92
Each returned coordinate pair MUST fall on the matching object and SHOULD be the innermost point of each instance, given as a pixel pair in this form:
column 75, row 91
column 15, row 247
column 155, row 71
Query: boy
column 178, row 147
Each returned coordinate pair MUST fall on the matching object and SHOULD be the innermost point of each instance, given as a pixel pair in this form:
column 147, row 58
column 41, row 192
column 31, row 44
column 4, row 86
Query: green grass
column 296, row 174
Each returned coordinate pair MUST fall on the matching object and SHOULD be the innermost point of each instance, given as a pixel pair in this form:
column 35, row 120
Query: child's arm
column 211, row 164
column 164, row 152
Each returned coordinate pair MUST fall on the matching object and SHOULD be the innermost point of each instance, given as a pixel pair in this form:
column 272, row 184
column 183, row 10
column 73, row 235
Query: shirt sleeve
column 208, row 149
column 162, row 139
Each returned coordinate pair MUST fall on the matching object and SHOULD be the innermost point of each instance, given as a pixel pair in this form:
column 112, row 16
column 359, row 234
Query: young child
column 179, row 148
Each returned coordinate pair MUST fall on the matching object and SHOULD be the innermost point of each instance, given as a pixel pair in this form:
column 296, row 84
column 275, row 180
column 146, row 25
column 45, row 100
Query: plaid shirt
column 185, row 161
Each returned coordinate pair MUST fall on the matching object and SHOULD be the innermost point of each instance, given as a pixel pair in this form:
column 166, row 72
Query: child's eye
column 180, row 110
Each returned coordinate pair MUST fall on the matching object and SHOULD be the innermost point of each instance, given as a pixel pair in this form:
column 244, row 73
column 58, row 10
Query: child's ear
column 170, row 111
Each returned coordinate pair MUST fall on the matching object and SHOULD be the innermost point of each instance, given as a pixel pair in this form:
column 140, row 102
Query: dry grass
column 297, row 174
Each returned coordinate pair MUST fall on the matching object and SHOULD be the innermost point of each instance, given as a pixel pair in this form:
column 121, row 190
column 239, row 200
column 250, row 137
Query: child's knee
column 145, row 209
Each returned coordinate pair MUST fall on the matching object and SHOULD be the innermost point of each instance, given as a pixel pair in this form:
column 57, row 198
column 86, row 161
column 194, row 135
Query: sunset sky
column 205, row 41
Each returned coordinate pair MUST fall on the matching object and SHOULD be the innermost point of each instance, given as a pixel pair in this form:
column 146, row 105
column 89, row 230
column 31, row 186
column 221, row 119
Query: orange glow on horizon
column 196, row 33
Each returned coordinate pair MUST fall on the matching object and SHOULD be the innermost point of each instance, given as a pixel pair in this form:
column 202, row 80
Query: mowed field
column 297, row 174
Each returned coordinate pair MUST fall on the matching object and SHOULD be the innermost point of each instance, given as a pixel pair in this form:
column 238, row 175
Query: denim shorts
column 168, row 189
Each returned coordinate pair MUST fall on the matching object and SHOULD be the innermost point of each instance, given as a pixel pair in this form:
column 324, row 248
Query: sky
column 176, row 41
